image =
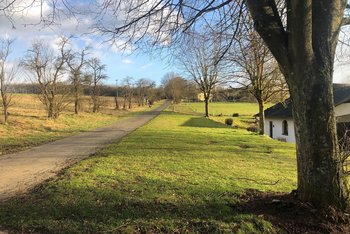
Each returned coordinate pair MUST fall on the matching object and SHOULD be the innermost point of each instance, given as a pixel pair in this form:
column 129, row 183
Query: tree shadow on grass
column 152, row 206
column 201, row 122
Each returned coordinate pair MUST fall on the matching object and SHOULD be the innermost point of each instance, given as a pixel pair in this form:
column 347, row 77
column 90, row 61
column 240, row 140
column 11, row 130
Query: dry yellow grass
column 29, row 126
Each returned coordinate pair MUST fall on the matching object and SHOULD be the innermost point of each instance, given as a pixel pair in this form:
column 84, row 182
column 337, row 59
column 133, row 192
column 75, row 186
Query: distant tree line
column 63, row 75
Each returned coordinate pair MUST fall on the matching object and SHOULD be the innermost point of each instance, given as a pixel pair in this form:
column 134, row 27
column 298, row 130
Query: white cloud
column 147, row 66
column 127, row 61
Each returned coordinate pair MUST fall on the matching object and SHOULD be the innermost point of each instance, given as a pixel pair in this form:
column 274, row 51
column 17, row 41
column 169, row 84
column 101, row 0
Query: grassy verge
column 177, row 174
column 28, row 125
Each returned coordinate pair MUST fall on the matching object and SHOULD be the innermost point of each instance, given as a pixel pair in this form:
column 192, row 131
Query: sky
column 120, row 63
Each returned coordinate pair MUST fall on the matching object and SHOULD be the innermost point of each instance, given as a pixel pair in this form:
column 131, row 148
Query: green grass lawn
column 178, row 174
column 216, row 108
column 219, row 111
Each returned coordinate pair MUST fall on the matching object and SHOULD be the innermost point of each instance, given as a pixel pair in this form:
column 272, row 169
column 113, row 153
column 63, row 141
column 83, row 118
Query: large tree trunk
column 305, row 53
column 261, row 117
column 320, row 174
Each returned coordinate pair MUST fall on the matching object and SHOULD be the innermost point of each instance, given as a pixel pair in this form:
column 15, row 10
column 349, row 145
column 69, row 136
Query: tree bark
column 261, row 117
column 320, row 173
column 124, row 102
column 76, row 105
column 6, row 113
column 50, row 111
column 95, row 105
column 5, row 105
column 129, row 102
column 305, row 53
column 116, row 103
column 206, row 100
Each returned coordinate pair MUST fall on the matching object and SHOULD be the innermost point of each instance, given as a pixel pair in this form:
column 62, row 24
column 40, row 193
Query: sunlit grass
column 219, row 111
column 178, row 174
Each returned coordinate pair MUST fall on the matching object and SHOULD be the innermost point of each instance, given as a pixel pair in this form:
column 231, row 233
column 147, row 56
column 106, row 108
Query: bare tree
column 174, row 86
column 97, row 76
column 128, row 91
column 201, row 60
column 48, row 72
column 76, row 62
column 258, row 72
column 7, row 75
column 143, row 87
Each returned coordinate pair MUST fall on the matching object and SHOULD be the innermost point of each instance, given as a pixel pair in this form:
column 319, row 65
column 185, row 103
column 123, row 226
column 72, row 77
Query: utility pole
column 116, row 96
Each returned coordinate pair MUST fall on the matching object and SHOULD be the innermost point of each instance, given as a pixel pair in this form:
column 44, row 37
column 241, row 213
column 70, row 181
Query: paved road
column 22, row 171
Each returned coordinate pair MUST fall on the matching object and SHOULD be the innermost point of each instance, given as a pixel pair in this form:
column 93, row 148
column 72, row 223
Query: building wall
column 342, row 112
column 277, row 129
column 343, row 109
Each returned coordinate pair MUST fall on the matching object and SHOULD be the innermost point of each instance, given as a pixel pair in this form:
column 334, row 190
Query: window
column 285, row 128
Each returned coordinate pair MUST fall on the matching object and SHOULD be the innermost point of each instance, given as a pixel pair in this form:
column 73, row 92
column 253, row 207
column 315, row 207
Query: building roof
column 341, row 94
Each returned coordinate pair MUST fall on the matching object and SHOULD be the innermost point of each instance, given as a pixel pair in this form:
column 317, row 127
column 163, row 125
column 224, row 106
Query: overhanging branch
column 269, row 26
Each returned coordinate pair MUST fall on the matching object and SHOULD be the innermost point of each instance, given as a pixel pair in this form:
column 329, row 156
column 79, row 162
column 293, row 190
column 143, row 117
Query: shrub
column 253, row 128
column 229, row 121
column 235, row 115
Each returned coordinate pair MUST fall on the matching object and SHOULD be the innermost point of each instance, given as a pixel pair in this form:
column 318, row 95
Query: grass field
column 216, row 108
column 28, row 125
column 219, row 111
column 178, row 174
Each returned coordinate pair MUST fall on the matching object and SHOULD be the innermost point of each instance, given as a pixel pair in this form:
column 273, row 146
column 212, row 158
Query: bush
column 253, row 128
column 235, row 115
column 229, row 121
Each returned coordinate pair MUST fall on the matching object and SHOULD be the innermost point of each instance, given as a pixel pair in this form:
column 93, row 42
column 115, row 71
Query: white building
column 279, row 122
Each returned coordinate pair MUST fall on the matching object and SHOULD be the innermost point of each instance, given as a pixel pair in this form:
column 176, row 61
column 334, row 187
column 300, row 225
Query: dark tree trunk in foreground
column 306, row 56
column 320, row 179
column 261, row 117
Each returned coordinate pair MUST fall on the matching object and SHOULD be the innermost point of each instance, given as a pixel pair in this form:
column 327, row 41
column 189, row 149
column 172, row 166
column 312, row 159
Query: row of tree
column 248, row 63
column 63, row 75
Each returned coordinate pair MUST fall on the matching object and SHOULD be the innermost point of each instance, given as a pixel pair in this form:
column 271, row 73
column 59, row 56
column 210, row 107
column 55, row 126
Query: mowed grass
column 178, row 174
column 28, row 125
column 216, row 108
column 219, row 111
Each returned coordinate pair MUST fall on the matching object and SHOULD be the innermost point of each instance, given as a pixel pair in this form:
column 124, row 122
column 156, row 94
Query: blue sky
column 120, row 63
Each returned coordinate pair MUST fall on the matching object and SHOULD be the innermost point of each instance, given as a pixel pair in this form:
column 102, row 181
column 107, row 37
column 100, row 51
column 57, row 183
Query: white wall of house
column 342, row 109
column 342, row 112
column 277, row 129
